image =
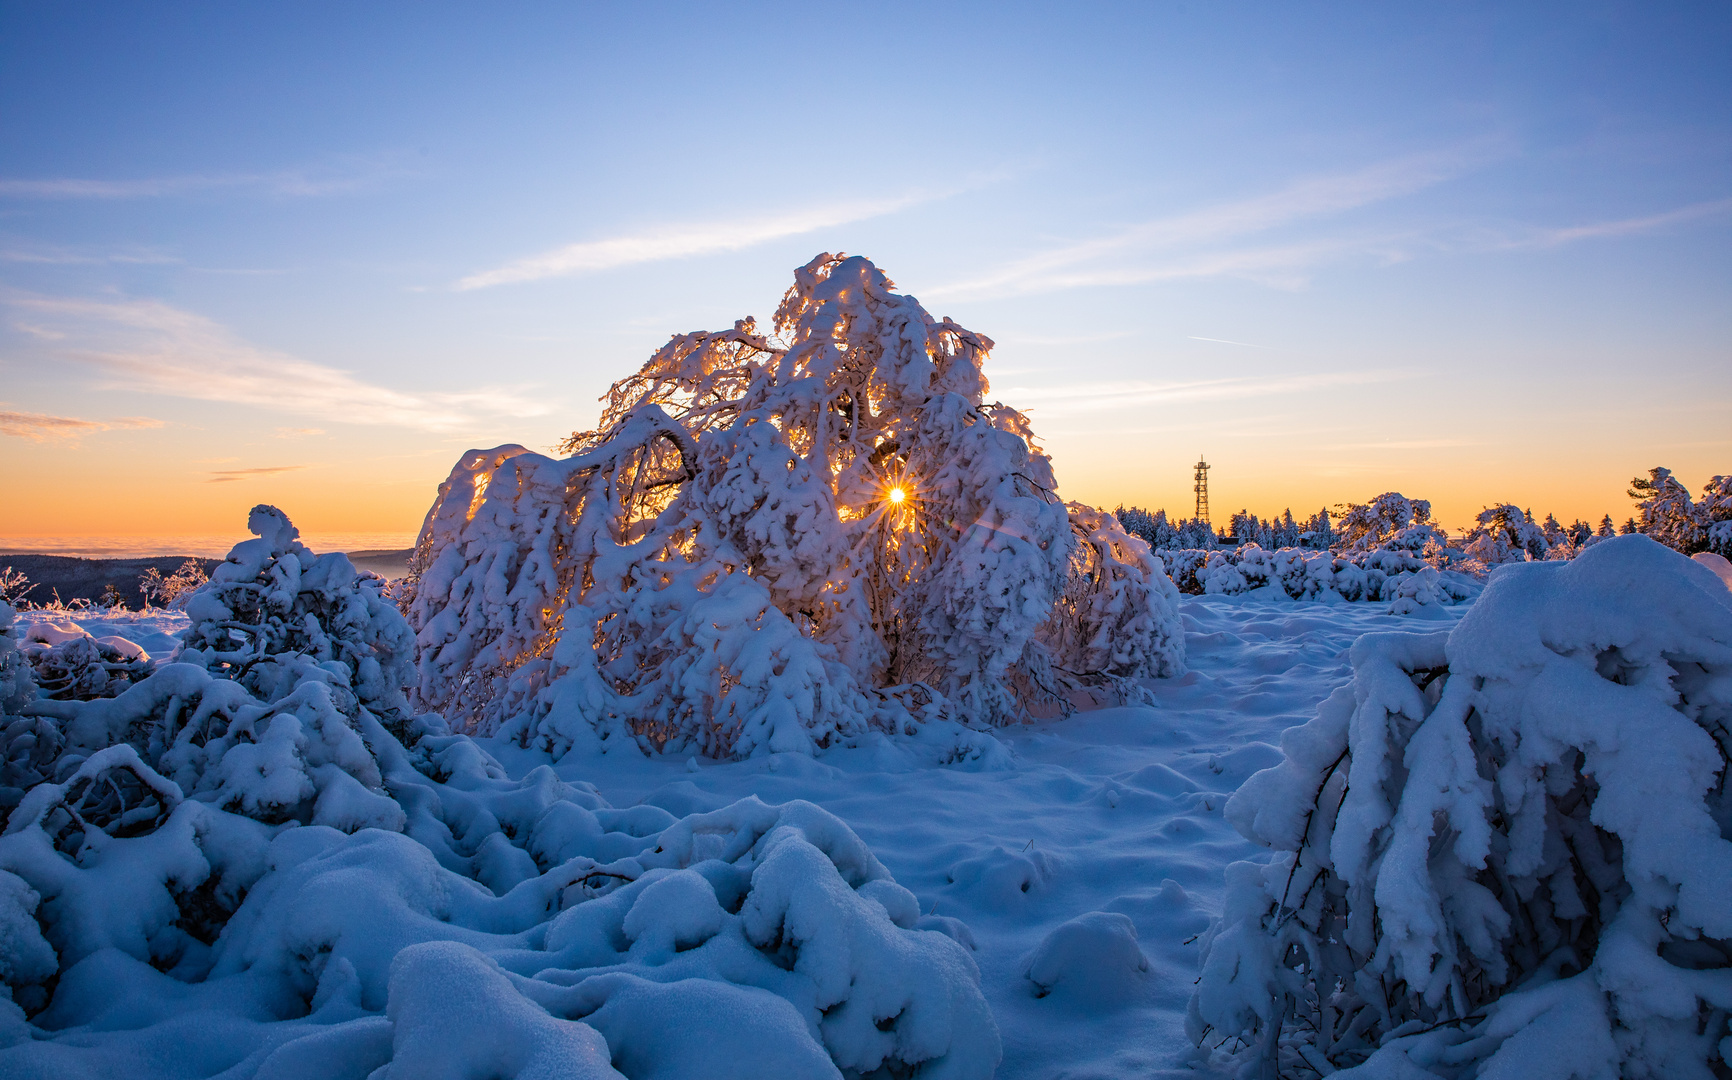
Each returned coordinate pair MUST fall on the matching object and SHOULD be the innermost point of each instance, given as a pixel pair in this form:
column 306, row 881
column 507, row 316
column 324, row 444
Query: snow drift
column 256, row 859
column 1503, row 851
column 777, row 543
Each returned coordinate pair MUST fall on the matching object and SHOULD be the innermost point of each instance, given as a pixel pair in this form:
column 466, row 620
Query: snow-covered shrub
column 1182, row 565
column 1503, row 851
column 772, row 544
column 13, row 585
column 274, row 616
column 1104, row 624
column 259, row 827
column 28, row 744
column 168, row 591
column 68, row 663
column 1394, row 574
column 270, row 705
column 498, row 915
column 1221, row 574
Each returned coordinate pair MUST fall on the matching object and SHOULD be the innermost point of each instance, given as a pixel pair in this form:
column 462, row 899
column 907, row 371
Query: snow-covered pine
column 256, row 826
column 1501, row 851
column 770, row 544
column 1390, row 521
column 1715, row 507
column 1666, row 512
column 1505, row 533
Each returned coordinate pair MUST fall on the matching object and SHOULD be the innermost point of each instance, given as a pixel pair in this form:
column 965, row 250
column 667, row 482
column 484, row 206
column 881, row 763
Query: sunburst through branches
column 777, row 541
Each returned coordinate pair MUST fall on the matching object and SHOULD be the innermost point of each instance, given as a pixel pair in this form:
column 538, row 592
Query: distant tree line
column 1665, row 511
column 1316, row 531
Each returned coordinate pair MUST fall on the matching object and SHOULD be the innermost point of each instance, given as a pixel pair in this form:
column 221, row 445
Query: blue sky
column 307, row 254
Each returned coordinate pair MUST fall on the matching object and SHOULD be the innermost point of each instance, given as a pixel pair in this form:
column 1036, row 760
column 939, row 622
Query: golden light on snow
column 897, row 494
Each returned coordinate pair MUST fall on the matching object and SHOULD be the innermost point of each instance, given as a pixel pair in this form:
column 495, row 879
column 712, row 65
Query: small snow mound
column 1001, row 878
column 674, row 913
column 456, row 1016
column 1093, row 956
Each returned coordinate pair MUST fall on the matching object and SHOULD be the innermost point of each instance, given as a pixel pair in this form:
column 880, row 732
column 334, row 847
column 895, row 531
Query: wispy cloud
column 1224, row 341
column 686, row 240
column 1189, row 244
column 312, row 181
column 1252, row 238
column 298, row 432
column 39, row 427
column 226, row 476
column 76, row 258
column 1625, row 227
column 1104, row 396
column 149, row 346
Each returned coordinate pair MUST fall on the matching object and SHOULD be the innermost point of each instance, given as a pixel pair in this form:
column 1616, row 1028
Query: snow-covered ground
column 1117, row 810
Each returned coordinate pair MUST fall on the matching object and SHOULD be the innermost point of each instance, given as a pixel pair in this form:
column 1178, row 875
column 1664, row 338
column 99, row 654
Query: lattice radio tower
column 1202, row 490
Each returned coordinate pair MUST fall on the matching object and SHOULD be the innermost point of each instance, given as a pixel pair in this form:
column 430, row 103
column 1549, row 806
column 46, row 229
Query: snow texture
column 782, row 544
column 254, row 862
column 1502, row 851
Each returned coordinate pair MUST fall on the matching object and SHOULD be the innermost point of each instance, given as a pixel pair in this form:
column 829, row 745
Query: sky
column 307, row 254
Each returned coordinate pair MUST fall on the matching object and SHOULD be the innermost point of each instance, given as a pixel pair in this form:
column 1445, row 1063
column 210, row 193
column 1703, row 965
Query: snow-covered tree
column 1505, row 533
column 1714, row 510
column 1391, row 521
column 1666, row 512
column 1501, row 851
column 1154, row 529
column 768, row 543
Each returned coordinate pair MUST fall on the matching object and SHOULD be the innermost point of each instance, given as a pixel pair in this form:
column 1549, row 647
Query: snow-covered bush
column 168, row 591
column 67, row 662
column 1502, row 851
column 1393, row 574
column 28, row 744
column 268, row 706
column 257, row 831
column 753, row 937
column 13, row 585
column 1103, row 626
column 775, row 544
